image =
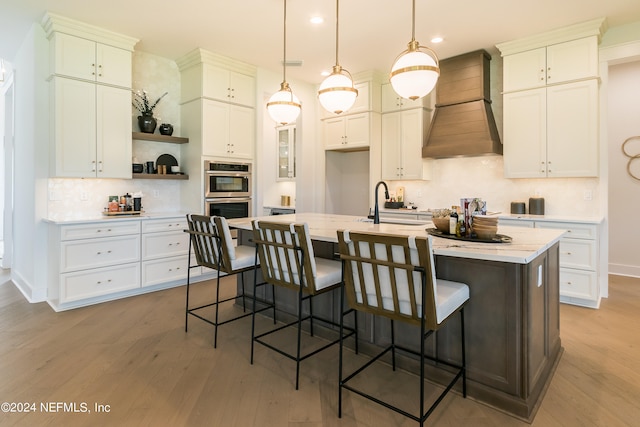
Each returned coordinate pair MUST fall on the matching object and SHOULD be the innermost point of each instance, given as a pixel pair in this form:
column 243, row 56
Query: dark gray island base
column 512, row 323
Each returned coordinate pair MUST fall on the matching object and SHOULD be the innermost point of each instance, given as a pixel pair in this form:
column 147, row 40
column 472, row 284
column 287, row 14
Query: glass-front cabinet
column 286, row 152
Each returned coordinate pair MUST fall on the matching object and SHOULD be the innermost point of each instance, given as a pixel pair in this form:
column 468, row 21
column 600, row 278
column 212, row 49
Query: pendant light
column 336, row 93
column 415, row 71
column 283, row 106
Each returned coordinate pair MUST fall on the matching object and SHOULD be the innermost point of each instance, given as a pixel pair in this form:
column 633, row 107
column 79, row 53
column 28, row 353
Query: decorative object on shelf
column 336, row 93
column 631, row 157
column 415, row 71
column 137, row 168
column 150, row 168
column 283, row 106
column 146, row 121
column 165, row 162
column 166, row 129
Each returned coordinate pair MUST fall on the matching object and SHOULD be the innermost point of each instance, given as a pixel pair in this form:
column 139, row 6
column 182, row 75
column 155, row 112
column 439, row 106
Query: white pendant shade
column 337, row 94
column 414, row 74
column 283, row 106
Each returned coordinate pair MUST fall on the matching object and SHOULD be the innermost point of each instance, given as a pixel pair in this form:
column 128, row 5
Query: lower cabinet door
column 99, row 281
column 578, row 284
column 166, row 270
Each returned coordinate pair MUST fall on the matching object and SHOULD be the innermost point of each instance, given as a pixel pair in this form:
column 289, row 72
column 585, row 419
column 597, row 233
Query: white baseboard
column 624, row 270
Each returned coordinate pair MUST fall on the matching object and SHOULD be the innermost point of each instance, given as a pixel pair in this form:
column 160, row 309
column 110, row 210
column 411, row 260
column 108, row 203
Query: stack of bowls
column 485, row 227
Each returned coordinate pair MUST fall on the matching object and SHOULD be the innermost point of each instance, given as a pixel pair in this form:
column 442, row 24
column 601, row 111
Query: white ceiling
column 372, row 32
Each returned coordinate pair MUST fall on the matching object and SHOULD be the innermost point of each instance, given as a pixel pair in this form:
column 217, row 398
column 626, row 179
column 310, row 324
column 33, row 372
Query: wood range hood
column 463, row 123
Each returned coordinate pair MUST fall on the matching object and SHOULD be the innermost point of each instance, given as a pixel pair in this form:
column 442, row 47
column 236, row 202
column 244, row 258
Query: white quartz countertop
column 70, row 219
column 526, row 244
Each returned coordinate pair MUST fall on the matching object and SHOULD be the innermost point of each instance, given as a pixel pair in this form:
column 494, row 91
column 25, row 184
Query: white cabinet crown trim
column 52, row 22
column 595, row 27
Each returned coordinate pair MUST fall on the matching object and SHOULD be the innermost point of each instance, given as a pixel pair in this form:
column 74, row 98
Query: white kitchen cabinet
column 391, row 101
column 91, row 130
column 286, row 139
column 93, row 260
column 347, row 132
column 85, row 59
column 228, row 86
column 402, row 136
column 558, row 63
column 227, row 130
column 552, row 131
column 579, row 258
column 100, row 260
column 165, row 247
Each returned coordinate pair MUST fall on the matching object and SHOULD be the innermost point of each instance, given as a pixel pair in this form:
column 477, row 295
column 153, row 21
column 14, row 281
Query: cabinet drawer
column 578, row 284
column 84, row 254
column 575, row 253
column 159, row 225
column 158, row 245
column 515, row 223
column 574, row 230
column 101, row 229
column 100, row 281
column 165, row 270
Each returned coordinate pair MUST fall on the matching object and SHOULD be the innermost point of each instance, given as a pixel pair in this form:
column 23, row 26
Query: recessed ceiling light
column 437, row 40
column 316, row 20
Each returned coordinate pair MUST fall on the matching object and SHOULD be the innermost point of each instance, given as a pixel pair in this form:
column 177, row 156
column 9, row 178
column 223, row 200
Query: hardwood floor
column 134, row 356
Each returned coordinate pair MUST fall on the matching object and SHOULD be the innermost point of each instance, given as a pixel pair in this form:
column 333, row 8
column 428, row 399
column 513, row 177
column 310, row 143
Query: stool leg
column 464, row 358
column 341, row 347
column 186, row 310
column 244, row 305
column 215, row 326
column 253, row 313
column 393, row 347
column 273, row 300
column 422, row 338
column 299, row 336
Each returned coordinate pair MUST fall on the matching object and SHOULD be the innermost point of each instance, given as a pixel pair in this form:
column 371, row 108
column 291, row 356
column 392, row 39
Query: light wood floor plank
column 134, row 355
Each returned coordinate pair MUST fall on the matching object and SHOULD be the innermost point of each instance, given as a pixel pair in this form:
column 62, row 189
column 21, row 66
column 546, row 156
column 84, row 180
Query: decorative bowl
column 441, row 224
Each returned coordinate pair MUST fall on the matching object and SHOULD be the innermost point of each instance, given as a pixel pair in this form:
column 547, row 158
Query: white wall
column 31, row 155
column 624, row 197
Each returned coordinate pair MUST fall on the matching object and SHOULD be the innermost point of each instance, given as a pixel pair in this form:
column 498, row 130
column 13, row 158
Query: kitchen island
column 512, row 317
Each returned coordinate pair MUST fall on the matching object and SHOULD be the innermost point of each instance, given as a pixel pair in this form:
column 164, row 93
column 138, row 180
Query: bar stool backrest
column 211, row 241
column 286, row 253
column 389, row 275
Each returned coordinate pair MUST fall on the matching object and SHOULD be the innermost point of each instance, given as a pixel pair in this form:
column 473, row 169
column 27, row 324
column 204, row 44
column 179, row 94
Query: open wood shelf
column 159, row 138
column 160, row 176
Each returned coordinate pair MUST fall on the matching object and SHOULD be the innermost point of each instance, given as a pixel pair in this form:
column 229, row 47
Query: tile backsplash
column 483, row 177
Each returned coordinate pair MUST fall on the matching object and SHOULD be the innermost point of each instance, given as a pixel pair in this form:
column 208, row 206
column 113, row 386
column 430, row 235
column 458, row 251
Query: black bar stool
column 287, row 260
column 394, row 277
column 213, row 247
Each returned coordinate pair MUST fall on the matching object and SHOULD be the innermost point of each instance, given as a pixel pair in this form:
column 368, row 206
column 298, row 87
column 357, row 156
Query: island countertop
column 526, row 243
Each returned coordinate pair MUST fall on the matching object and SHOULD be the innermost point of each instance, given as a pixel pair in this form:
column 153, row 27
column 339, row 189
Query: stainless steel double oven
column 227, row 189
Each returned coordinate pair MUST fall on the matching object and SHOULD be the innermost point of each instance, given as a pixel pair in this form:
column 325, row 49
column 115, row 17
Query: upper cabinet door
column 228, row 86
column 74, row 57
column 525, row 70
column 113, row 132
column 574, row 60
column 87, row 60
column 113, row 65
column 559, row 63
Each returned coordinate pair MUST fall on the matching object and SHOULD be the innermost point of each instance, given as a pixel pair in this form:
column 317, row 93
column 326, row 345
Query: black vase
column 147, row 123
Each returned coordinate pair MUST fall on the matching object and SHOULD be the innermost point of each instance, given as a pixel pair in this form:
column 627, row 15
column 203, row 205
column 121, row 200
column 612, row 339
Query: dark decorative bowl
column 166, row 129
